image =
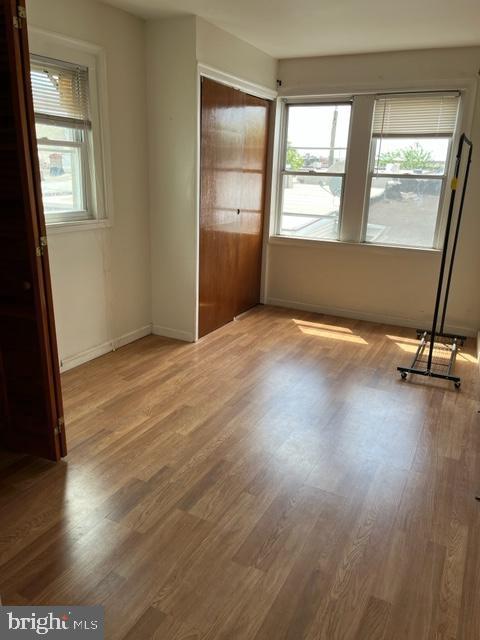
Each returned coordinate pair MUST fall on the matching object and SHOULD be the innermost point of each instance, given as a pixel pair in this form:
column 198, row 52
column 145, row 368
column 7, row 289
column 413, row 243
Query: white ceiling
column 293, row 28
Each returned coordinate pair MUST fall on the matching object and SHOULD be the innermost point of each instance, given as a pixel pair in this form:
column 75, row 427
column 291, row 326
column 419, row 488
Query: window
column 391, row 152
column 411, row 142
column 63, row 125
column 313, row 171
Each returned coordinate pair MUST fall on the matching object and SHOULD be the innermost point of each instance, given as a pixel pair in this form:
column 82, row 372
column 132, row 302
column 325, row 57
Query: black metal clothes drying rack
column 436, row 336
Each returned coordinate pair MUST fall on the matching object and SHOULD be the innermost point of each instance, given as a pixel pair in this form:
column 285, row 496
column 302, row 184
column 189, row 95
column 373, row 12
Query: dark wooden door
column 221, row 160
column 234, row 138
column 31, row 414
column 250, row 238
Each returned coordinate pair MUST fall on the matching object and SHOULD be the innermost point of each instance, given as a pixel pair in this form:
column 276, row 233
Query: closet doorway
column 233, row 157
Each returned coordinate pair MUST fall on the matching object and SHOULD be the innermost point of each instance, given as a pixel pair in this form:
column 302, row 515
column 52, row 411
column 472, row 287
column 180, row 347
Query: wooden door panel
column 250, row 239
column 30, row 395
column 234, row 136
column 220, row 189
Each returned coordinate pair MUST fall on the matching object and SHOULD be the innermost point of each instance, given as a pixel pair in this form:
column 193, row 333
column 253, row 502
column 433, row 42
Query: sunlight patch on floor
column 328, row 331
column 410, row 345
column 319, row 325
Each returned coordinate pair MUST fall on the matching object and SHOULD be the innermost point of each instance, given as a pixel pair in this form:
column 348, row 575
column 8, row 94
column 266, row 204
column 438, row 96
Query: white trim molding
column 355, row 314
column 237, row 83
column 176, row 334
column 81, row 225
column 316, row 243
column 71, row 362
column 60, row 47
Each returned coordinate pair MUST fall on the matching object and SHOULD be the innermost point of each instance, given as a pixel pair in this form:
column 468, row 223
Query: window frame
column 84, row 145
column 437, row 240
column 78, row 214
column 359, row 218
column 96, row 161
column 282, row 171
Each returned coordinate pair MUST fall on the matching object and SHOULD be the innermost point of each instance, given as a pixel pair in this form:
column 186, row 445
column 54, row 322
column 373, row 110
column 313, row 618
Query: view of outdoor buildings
column 60, row 158
column 401, row 210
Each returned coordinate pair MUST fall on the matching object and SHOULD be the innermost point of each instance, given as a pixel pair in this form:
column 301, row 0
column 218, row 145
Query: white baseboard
column 168, row 332
column 132, row 336
column 354, row 314
column 95, row 352
column 71, row 362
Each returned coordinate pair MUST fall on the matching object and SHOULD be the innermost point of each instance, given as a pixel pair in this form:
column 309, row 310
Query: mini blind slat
column 426, row 114
column 60, row 90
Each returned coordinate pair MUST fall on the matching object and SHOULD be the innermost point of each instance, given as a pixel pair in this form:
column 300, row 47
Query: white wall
column 172, row 125
column 391, row 285
column 101, row 277
column 221, row 50
column 174, row 48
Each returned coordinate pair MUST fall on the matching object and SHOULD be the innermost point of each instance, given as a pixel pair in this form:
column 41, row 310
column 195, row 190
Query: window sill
column 55, row 228
column 379, row 248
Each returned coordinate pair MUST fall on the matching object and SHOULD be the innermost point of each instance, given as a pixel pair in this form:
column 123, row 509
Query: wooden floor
column 274, row 481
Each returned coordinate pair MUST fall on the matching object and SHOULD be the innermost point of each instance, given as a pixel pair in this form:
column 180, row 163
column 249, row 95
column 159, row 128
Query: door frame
column 18, row 57
column 205, row 71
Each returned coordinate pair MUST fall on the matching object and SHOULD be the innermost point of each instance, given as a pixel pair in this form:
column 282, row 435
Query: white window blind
column 429, row 114
column 60, row 92
column 64, row 135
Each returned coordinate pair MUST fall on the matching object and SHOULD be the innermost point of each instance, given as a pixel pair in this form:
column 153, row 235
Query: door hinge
column 40, row 251
column 18, row 20
column 59, row 427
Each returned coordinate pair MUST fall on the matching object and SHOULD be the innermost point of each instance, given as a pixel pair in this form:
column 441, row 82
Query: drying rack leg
column 417, row 369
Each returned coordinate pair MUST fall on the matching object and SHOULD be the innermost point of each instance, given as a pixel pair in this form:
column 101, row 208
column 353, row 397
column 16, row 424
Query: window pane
column 58, row 133
column 403, row 211
column 61, row 175
column 311, row 206
column 425, row 156
column 328, row 160
column 317, row 137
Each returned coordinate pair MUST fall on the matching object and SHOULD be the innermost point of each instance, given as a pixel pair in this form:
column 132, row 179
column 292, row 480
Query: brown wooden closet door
column 31, row 415
column 233, row 165
column 250, row 237
column 221, row 164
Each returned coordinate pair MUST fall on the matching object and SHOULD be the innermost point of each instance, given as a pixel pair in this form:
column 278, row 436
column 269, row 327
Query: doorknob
column 238, row 212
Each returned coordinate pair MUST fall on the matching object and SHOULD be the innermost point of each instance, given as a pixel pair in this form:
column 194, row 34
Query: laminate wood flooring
column 274, row 481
